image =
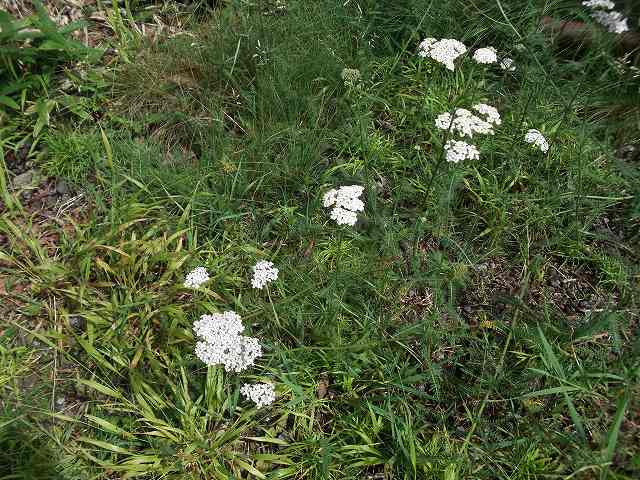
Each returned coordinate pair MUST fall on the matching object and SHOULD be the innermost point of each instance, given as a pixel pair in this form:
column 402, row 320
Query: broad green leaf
column 101, row 388
column 9, row 102
column 105, row 445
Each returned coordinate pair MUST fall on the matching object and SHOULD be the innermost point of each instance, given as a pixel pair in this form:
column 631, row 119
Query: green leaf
column 9, row 102
column 249, row 468
column 107, row 148
column 549, row 357
column 105, row 445
column 612, row 436
column 101, row 388
column 551, row 391
column 43, row 109
column 108, row 426
column 577, row 421
column 97, row 356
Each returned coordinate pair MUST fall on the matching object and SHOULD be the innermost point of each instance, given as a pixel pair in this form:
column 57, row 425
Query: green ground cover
column 480, row 320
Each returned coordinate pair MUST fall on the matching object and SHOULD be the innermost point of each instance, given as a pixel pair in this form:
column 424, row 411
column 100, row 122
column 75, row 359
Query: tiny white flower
column 262, row 394
column 351, row 77
column 329, row 198
column 490, row 113
column 196, row 278
column 615, row 22
column 342, row 216
column 222, row 343
column 485, row 55
column 443, row 51
column 464, row 123
column 263, row 272
column 457, row 151
column 536, row 138
column 507, row 64
column 345, row 204
column 210, row 327
column 606, row 4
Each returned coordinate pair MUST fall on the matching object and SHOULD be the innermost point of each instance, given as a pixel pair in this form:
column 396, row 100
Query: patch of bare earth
column 497, row 289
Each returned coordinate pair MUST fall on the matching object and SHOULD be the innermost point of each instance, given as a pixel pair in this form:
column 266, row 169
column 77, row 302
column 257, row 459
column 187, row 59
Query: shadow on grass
column 24, row 454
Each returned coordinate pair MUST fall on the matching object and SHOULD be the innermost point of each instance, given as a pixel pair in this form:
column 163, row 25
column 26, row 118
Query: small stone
column 62, row 187
column 627, row 152
column 584, row 305
column 76, row 322
column 24, row 179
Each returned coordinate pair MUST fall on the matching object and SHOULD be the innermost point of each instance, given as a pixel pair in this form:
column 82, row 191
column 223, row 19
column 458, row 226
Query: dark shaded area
column 24, row 454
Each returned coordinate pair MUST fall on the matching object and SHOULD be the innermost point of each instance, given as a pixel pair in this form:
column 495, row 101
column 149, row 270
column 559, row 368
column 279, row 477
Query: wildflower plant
column 485, row 55
column 444, row 51
column 603, row 13
column 614, row 22
column 457, row 151
column 537, row 139
column 605, row 4
column 351, row 77
column 463, row 123
column 196, row 278
column 262, row 394
column 507, row 63
column 221, row 343
column 346, row 204
column 263, row 273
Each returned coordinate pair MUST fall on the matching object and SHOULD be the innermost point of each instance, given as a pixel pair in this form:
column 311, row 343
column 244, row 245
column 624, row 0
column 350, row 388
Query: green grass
column 480, row 321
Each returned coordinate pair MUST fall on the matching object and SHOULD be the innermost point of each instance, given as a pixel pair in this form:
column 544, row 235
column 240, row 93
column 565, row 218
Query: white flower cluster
column 613, row 21
column 491, row 113
column 607, row 4
column 457, row 151
column 536, row 138
column 196, row 278
column 346, row 204
column 465, row 123
column 443, row 51
column 262, row 394
column 485, row 55
column 351, row 77
column 507, row 64
column 222, row 343
column 263, row 272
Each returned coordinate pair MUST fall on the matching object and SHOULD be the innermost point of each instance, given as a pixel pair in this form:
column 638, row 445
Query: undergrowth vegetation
column 479, row 320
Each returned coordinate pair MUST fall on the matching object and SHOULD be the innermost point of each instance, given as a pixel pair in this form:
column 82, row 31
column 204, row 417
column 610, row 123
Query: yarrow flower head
column 211, row 327
column 456, row 151
column 443, row 51
column 262, row 394
column 485, row 55
column 463, row 122
column 490, row 113
column 507, row 64
column 351, row 77
column 345, row 202
column 263, row 272
column 615, row 22
column 222, row 344
column 196, row 278
column 536, row 138
column 606, row 4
